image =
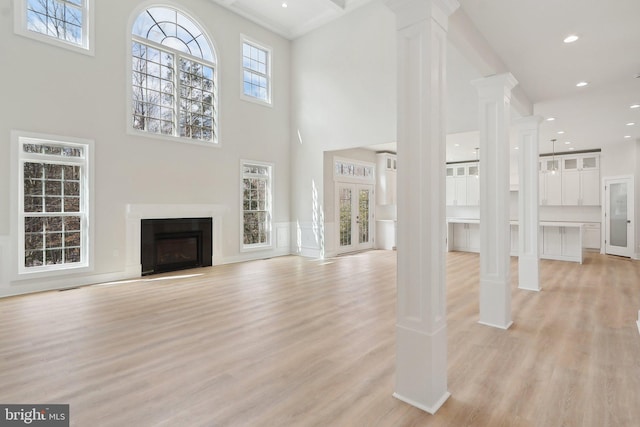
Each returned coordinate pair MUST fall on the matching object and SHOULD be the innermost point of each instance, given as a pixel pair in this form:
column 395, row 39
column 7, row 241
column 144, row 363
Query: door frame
column 631, row 240
column 355, row 191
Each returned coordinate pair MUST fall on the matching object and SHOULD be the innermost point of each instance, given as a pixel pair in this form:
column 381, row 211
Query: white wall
column 51, row 90
column 343, row 96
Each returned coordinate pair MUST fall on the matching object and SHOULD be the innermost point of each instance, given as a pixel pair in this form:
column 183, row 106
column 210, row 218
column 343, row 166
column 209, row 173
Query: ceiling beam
column 466, row 37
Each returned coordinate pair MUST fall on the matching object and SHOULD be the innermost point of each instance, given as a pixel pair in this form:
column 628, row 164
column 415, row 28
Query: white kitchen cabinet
column 451, row 186
column 562, row 242
column 466, row 237
column 581, row 180
column 591, row 235
column 550, row 182
column 386, row 179
column 473, row 184
column 460, row 182
column 463, row 184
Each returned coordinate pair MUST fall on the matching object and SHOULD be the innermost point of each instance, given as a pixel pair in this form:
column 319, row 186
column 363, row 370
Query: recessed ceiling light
column 630, row 124
column 635, row 106
column 571, row 38
column 560, row 132
column 627, row 136
column 516, row 148
column 582, row 84
column 567, row 142
column 571, row 148
column 456, row 145
column 550, row 119
column 284, row 4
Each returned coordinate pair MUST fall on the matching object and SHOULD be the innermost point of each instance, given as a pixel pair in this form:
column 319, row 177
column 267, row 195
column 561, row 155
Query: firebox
column 174, row 244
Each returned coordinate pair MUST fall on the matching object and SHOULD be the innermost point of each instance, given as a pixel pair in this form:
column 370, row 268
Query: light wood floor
column 295, row 342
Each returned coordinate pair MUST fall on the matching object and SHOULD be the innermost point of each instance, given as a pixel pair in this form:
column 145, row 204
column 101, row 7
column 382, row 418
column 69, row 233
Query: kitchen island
column 559, row 240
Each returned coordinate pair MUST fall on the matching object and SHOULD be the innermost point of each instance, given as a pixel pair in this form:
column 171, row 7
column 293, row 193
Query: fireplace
column 174, row 244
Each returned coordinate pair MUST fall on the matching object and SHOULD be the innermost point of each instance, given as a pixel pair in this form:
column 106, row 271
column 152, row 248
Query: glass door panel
column 345, row 203
column 364, row 203
column 618, row 214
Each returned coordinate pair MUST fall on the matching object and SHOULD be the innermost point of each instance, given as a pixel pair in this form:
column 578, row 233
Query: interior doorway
column 618, row 216
column 354, row 204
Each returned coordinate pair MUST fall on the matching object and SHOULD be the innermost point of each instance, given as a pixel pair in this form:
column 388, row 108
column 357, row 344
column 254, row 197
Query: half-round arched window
column 173, row 76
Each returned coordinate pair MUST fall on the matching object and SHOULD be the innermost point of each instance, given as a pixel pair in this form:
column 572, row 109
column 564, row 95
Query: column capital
column 528, row 122
column 496, row 85
column 410, row 12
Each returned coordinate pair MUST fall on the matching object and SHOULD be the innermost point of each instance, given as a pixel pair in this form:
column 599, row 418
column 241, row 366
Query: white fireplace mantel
column 137, row 212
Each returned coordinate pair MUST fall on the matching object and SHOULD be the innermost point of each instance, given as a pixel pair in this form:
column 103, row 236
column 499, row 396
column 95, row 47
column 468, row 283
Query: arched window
column 173, row 76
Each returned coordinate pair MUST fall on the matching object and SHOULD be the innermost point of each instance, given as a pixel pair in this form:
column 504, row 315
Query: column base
column 505, row 327
column 528, row 273
column 495, row 303
column 421, row 368
column 430, row 409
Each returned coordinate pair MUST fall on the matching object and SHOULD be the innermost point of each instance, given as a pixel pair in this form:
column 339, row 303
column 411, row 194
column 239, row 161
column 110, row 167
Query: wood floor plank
column 296, row 342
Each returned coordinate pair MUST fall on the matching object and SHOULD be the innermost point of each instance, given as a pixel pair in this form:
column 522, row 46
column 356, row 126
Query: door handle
column 628, row 221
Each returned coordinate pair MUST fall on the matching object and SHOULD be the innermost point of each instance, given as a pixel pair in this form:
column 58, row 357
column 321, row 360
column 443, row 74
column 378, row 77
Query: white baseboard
column 253, row 256
column 505, row 327
column 61, row 283
column 430, row 409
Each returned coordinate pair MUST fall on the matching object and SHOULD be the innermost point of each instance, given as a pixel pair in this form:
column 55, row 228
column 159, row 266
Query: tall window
column 53, row 209
column 256, row 204
column 174, row 77
column 65, row 22
column 256, row 72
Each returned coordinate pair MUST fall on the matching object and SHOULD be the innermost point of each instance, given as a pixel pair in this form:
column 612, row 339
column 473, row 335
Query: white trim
column 308, row 239
column 130, row 37
column 505, row 327
column 5, row 260
column 269, row 52
column 19, row 272
column 631, row 208
column 430, row 409
column 88, row 31
column 281, row 247
column 270, row 244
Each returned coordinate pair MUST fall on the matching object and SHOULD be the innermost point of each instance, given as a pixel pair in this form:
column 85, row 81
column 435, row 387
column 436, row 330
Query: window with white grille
column 174, row 89
column 256, row 204
column 66, row 23
column 53, row 208
column 256, row 72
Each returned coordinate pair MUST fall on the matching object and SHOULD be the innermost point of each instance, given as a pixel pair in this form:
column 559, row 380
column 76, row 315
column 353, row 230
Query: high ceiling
column 291, row 18
column 526, row 37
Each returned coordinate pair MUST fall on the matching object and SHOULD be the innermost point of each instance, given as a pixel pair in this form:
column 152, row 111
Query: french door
column 618, row 216
column 354, row 213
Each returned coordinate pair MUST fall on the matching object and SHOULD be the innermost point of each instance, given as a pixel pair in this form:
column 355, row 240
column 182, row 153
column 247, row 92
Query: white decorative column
column 421, row 329
column 528, row 204
column 495, row 288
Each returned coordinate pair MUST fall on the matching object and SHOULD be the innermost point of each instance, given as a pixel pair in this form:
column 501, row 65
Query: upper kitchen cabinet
column 581, row 180
column 550, row 181
column 463, row 184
